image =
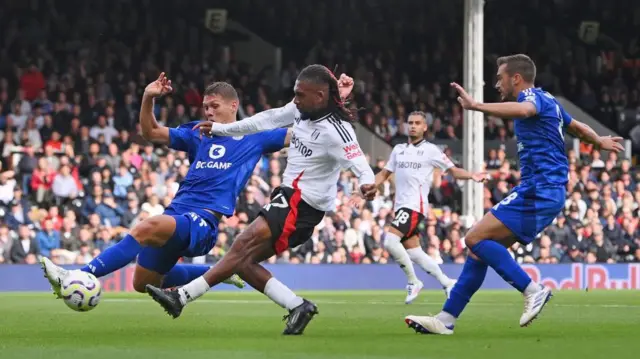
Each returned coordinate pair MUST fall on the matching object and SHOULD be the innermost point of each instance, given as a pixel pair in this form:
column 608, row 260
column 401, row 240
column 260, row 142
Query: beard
column 315, row 114
column 507, row 96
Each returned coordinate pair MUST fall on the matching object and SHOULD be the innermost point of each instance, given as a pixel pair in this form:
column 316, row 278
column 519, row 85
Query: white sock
column 428, row 265
column 281, row 294
column 400, row 255
column 532, row 288
column 446, row 318
column 193, row 290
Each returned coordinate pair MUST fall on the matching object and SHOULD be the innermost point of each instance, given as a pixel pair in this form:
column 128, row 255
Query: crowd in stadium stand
column 76, row 174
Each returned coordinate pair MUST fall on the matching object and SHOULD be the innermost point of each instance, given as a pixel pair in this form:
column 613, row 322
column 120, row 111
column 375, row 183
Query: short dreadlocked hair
column 222, row 89
column 319, row 74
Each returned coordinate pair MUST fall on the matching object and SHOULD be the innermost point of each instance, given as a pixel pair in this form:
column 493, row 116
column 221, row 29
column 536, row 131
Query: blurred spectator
column 6, row 242
column 64, row 185
column 7, row 186
column 75, row 168
column 109, row 212
column 25, row 247
column 48, row 238
column 42, row 180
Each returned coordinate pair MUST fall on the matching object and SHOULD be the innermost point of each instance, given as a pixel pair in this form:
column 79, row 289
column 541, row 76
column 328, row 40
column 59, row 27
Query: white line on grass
column 370, row 302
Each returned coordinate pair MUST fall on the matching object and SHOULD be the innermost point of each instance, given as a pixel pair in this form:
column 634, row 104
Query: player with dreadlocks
column 322, row 142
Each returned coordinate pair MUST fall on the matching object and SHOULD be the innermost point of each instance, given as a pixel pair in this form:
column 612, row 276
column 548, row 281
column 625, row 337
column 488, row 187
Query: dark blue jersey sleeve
column 184, row 138
column 273, row 141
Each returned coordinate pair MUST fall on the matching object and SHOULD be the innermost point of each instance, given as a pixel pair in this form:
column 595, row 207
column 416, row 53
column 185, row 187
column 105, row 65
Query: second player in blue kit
column 544, row 169
column 540, row 123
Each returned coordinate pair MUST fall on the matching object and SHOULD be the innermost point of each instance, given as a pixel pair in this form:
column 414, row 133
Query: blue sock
column 468, row 283
column 182, row 274
column 498, row 257
column 114, row 258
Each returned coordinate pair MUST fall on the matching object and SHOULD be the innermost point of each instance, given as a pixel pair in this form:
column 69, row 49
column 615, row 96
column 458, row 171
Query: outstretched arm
column 462, row 174
column 265, row 120
column 443, row 162
column 523, row 109
column 506, row 109
column 586, row 134
column 151, row 130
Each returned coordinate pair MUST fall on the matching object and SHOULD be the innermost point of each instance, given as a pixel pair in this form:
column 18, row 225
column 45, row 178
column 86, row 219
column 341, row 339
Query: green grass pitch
column 366, row 324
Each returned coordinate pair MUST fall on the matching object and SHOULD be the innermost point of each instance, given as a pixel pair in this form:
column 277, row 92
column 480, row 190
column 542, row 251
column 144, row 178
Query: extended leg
column 158, row 241
column 179, row 274
column 155, row 231
column 249, row 248
column 493, row 252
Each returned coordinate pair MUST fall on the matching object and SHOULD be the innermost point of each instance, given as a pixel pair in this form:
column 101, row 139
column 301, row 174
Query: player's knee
column 147, row 231
column 244, row 241
column 239, row 244
column 386, row 244
column 474, row 235
column 250, row 253
column 246, row 246
column 391, row 243
column 392, row 239
column 143, row 230
column 471, row 241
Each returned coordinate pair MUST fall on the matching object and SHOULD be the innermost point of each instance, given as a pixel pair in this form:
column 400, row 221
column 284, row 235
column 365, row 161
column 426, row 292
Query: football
column 80, row 291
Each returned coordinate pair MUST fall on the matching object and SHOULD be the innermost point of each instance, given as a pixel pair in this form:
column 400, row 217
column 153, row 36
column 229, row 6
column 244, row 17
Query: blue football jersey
column 220, row 166
column 541, row 147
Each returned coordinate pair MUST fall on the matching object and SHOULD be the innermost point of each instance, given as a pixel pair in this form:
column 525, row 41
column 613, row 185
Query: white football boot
column 413, row 290
column 428, row 325
column 533, row 305
column 54, row 274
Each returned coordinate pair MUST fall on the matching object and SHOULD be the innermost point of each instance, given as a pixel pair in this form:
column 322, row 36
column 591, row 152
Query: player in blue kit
column 220, row 168
column 540, row 123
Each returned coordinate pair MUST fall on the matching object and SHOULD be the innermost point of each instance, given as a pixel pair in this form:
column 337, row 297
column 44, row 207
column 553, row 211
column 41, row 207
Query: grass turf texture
column 365, row 324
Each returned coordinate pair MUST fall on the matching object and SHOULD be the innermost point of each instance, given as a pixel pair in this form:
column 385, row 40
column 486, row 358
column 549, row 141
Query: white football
column 80, row 290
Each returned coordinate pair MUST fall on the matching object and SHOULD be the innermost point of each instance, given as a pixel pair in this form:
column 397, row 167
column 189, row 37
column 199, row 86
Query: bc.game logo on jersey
column 215, row 152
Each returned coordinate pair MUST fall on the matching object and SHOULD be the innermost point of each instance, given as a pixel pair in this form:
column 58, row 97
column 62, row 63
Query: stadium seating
column 77, row 174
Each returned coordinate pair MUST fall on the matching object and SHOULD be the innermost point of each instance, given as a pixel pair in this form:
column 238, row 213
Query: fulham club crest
column 315, row 134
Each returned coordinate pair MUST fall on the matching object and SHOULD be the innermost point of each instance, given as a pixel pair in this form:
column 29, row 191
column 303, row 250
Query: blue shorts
column 195, row 235
column 529, row 209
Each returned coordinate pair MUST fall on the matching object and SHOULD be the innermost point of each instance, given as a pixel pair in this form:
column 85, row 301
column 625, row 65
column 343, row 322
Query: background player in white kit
column 321, row 144
column 413, row 164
